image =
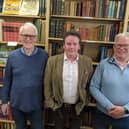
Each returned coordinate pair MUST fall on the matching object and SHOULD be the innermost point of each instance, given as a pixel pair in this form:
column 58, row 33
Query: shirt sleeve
column 5, row 95
column 95, row 88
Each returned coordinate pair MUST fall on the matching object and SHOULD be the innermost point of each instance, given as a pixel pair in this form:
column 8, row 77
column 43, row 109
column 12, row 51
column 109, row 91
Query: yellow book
column 29, row 7
column 11, row 6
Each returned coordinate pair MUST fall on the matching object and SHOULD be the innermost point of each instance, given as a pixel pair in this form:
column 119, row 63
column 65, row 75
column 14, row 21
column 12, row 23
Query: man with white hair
column 23, row 80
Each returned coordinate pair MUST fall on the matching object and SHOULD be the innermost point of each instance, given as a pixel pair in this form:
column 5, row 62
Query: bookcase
column 9, row 24
column 98, row 21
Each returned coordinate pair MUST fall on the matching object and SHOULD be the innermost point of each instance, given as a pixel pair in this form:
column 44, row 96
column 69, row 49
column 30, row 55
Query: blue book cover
column 122, row 9
column 1, row 5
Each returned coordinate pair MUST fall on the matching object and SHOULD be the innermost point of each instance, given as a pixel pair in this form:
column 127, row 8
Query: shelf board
column 85, row 127
column 82, row 127
column 84, row 41
column 18, row 44
column 40, row 44
column 95, row 63
column 6, row 121
column 20, row 16
column 97, row 42
column 2, row 65
column 86, row 18
column 92, row 104
column 56, row 39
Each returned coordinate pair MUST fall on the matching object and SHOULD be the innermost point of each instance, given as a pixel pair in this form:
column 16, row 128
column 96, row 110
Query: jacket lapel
column 59, row 72
column 80, row 69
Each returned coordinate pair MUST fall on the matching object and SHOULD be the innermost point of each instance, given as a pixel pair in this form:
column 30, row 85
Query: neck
column 29, row 50
column 122, row 62
column 72, row 58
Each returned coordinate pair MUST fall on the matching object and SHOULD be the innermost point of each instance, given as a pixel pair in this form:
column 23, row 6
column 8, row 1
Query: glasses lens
column 28, row 36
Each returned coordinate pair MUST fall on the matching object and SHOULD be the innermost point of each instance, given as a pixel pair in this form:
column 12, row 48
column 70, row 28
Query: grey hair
column 30, row 25
column 124, row 34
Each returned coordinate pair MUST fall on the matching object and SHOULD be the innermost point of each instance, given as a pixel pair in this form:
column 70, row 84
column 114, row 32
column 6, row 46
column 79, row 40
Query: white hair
column 124, row 34
column 30, row 25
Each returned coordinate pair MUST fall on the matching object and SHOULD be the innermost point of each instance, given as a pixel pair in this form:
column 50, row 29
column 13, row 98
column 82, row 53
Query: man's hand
column 116, row 112
column 4, row 108
column 46, row 104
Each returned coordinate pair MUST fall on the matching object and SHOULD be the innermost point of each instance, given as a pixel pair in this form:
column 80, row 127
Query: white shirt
column 70, row 80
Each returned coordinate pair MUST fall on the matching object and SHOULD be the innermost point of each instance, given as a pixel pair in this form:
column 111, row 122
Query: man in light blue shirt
column 110, row 87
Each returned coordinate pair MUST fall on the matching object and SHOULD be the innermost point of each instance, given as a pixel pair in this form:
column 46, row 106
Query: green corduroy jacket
column 53, row 83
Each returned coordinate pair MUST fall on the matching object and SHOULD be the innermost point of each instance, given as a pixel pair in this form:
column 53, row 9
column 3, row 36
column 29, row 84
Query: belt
column 66, row 105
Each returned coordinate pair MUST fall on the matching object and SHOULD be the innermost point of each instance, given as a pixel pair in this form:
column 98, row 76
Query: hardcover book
column 1, row 5
column 11, row 30
column 29, row 7
column 11, row 6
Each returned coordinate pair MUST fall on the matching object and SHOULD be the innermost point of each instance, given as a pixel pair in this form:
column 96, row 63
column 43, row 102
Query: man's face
column 28, row 37
column 71, row 46
column 121, row 48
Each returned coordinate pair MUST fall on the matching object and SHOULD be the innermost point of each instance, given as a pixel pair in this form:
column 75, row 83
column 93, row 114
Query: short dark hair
column 72, row 33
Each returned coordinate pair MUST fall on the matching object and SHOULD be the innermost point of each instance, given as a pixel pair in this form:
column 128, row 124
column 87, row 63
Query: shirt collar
column 113, row 60
column 33, row 53
column 66, row 58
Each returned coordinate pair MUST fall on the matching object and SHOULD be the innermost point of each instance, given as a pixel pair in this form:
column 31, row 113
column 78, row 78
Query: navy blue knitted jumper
column 23, row 81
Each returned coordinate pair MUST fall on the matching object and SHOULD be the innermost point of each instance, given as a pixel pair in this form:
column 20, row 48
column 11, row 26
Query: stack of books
column 11, row 31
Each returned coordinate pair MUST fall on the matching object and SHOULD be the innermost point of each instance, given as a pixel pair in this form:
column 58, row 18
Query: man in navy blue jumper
column 23, row 81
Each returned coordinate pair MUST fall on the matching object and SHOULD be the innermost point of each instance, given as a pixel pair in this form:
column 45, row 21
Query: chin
column 28, row 46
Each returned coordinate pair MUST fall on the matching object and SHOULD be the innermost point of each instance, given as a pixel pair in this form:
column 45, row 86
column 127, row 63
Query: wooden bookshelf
column 90, row 44
column 21, row 16
column 9, row 124
column 7, row 121
column 87, row 18
column 2, row 65
column 83, row 41
column 90, row 47
column 86, row 127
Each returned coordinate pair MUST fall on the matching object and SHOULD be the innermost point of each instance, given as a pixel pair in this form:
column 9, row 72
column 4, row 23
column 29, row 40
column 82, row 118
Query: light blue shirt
column 110, row 85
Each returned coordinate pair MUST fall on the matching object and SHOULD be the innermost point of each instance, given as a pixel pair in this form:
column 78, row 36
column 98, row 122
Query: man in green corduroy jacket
column 66, row 79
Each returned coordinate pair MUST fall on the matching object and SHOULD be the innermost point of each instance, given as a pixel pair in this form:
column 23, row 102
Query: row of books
column 9, row 31
column 88, row 31
column 55, row 48
column 41, row 27
column 4, row 52
column 105, row 52
column 6, row 125
column 8, row 116
column 128, row 28
column 23, row 7
column 89, row 8
column 6, row 121
column 87, row 119
column 96, row 52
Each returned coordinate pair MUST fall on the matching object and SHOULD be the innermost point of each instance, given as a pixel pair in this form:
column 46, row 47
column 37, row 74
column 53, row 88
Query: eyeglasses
column 121, row 45
column 28, row 36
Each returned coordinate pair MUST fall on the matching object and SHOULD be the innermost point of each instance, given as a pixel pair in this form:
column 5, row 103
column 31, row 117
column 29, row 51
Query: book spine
column 122, row 9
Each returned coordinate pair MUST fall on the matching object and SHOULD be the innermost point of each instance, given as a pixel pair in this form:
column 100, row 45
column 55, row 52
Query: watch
column 126, row 111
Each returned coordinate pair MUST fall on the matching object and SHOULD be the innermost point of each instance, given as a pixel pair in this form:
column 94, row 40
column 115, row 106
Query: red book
column 11, row 31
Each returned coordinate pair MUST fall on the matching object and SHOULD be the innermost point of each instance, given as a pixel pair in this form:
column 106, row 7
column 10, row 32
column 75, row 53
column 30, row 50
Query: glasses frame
column 121, row 45
column 28, row 36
